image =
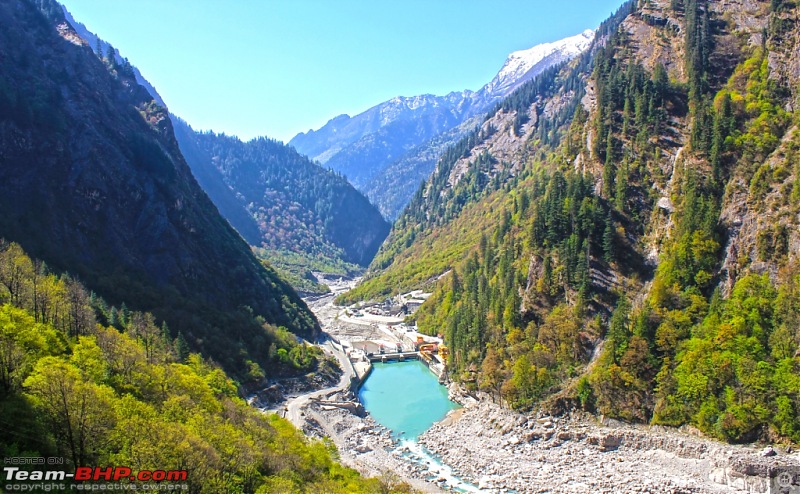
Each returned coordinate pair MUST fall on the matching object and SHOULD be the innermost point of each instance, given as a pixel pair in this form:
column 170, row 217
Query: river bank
column 367, row 446
column 335, row 413
column 498, row 450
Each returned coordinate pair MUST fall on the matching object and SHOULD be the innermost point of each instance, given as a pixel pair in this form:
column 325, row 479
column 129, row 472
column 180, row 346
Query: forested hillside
column 394, row 186
column 298, row 215
column 77, row 377
column 621, row 234
column 114, row 268
column 92, row 183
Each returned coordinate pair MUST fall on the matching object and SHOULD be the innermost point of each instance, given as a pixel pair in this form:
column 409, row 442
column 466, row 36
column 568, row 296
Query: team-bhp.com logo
column 97, row 473
column 93, row 478
column 120, row 473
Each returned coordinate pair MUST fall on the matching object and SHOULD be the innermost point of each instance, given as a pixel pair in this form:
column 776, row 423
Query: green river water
column 405, row 397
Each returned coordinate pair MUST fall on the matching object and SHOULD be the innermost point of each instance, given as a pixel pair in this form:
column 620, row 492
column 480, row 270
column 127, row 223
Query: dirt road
column 295, row 405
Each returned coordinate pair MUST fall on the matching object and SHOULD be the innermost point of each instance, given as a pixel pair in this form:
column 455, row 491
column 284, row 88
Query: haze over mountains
column 386, row 150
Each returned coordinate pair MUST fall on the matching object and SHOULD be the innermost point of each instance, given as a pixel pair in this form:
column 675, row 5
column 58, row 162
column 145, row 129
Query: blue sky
column 276, row 68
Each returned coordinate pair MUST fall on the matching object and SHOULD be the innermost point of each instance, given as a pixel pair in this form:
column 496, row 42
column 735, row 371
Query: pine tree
column 124, row 315
column 110, row 57
column 608, row 240
column 660, row 83
column 165, row 334
column 621, row 192
column 618, row 333
column 627, row 113
column 610, row 169
column 181, row 348
column 113, row 320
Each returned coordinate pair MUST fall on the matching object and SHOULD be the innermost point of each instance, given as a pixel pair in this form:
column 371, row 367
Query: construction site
column 378, row 332
column 396, row 342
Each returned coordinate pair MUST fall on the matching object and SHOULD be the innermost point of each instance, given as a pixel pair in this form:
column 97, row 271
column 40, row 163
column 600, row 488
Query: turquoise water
column 405, row 397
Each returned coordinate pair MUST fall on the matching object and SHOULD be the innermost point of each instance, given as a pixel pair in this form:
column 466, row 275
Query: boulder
column 605, row 442
column 363, row 448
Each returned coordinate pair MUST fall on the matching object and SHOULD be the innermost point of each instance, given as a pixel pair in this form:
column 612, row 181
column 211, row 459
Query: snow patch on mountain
column 520, row 63
column 364, row 146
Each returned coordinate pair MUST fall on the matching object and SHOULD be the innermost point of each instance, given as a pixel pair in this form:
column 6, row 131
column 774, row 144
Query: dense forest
column 298, row 215
column 467, row 173
column 126, row 301
column 100, row 385
column 636, row 256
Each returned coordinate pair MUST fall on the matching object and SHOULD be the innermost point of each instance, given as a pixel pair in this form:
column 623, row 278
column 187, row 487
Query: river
column 405, row 397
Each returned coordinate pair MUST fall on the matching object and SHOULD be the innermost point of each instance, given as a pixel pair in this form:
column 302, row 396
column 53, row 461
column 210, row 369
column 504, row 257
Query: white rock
column 666, row 204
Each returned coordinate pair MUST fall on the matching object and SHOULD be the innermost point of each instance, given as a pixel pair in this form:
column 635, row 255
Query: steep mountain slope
column 282, row 202
column 621, row 235
column 392, row 188
column 304, row 238
column 364, row 146
column 90, row 390
column 102, row 49
column 92, row 181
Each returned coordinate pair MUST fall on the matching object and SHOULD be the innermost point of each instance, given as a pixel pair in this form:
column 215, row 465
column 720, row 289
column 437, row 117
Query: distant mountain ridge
column 365, row 146
column 523, row 65
column 280, row 201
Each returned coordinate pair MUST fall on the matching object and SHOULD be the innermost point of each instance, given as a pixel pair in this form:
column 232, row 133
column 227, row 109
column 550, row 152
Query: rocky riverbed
column 499, row 450
column 364, row 444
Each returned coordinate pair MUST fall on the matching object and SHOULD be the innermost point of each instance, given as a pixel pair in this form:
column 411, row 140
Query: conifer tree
column 608, row 240
column 610, row 169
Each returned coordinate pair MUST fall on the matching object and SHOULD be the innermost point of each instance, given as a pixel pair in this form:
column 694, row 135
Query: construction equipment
column 428, row 347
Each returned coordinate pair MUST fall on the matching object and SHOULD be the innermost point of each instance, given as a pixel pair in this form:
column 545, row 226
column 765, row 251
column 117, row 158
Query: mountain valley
column 616, row 216
column 593, row 266
column 297, row 215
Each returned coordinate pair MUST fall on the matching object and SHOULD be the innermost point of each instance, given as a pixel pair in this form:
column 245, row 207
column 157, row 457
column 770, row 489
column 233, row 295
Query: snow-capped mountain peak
column 407, row 133
column 519, row 64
